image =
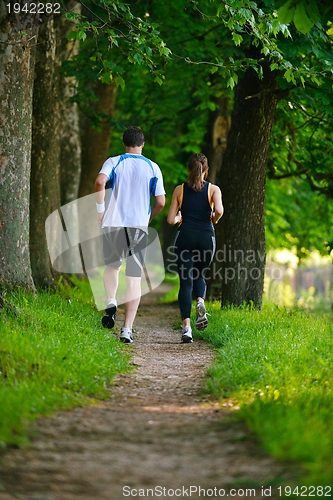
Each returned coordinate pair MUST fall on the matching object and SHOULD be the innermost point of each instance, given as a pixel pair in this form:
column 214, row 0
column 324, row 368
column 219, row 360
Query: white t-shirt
column 129, row 203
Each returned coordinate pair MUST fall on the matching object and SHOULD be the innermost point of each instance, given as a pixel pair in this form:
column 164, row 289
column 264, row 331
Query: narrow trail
column 156, row 431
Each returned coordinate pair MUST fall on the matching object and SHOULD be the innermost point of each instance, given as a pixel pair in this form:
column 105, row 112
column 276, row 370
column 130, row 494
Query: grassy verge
column 54, row 354
column 277, row 366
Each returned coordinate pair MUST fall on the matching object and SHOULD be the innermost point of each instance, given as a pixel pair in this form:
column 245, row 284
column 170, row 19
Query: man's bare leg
column 133, row 296
column 111, row 279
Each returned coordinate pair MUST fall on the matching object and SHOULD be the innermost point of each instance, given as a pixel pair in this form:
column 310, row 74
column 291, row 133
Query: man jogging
column 132, row 179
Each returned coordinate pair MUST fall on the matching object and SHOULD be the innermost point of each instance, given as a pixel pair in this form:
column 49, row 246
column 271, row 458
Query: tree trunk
column 218, row 130
column 95, row 146
column 242, row 180
column 95, row 143
column 216, row 141
column 70, row 147
column 17, row 59
column 70, row 140
column 45, row 175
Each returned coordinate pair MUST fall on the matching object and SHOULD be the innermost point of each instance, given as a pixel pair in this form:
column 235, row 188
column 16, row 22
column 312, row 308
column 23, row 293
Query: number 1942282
column 305, row 491
column 33, row 8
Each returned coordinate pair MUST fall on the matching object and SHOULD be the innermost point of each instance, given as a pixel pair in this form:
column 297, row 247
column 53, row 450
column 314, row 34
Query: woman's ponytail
column 197, row 165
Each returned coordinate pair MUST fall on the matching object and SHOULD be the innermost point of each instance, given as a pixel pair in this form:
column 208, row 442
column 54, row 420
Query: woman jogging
column 196, row 205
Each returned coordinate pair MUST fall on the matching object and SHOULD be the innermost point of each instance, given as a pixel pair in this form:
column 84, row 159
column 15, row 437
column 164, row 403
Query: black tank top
column 196, row 210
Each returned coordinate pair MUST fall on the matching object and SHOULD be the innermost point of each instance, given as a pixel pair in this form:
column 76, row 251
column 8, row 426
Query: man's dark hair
column 133, row 137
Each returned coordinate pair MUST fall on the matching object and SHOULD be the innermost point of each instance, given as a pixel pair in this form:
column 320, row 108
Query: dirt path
column 155, row 432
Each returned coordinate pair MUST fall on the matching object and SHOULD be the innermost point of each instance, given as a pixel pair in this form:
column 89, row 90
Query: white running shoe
column 187, row 335
column 126, row 335
column 201, row 316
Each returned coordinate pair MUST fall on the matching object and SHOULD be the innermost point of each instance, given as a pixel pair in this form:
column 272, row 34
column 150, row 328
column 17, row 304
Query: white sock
column 112, row 302
column 125, row 329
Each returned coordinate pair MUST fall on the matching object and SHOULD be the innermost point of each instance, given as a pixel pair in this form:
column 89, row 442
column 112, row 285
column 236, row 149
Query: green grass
column 54, row 354
column 277, row 365
column 172, row 294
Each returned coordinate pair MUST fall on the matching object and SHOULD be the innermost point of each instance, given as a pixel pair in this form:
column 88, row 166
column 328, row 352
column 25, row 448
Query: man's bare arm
column 158, row 206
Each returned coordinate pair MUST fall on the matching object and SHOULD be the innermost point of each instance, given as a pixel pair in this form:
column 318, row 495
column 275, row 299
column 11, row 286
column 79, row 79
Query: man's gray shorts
column 125, row 243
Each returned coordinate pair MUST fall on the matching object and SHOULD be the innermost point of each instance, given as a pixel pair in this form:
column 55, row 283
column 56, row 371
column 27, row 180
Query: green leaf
column 326, row 100
column 120, row 82
column 316, row 80
column 231, row 23
column 81, row 35
column 219, row 9
column 286, row 12
column 312, row 10
column 107, row 78
column 138, row 58
column 237, row 38
column 72, row 35
column 302, row 22
column 158, row 80
column 212, row 106
column 231, row 82
column 261, row 73
column 288, row 75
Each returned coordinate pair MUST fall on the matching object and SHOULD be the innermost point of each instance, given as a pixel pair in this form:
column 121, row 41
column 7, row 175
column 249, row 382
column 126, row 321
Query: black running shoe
column 109, row 317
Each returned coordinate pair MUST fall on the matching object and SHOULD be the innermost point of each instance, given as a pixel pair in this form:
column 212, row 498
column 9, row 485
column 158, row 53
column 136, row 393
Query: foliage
column 276, row 365
column 54, row 354
column 114, row 23
column 129, row 29
column 300, row 160
column 297, row 217
column 301, row 142
column 200, row 54
column 299, row 59
column 111, row 39
column 303, row 13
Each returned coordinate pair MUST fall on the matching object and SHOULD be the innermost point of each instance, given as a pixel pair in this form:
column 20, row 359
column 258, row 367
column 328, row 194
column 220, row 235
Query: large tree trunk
column 218, row 130
column 56, row 151
column 17, row 59
column 95, row 143
column 242, row 180
column 216, row 144
column 95, row 146
column 70, row 140
column 70, row 147
column 45, row 173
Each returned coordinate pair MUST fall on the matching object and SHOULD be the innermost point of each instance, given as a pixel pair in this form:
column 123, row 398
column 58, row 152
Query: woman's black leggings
column 195, row 250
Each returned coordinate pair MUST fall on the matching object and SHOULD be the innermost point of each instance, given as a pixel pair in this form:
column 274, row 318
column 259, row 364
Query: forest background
column 247, row 83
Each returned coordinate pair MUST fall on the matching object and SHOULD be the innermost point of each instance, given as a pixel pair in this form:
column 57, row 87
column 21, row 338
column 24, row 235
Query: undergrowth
column 54, row 354
column 277, row 366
